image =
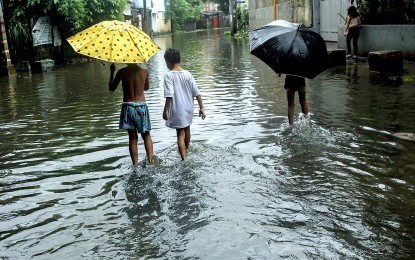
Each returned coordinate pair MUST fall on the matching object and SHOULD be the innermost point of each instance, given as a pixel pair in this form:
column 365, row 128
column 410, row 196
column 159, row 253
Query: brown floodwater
column 338, row 185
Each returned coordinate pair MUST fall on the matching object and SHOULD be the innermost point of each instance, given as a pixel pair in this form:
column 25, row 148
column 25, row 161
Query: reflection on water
column 337, row 185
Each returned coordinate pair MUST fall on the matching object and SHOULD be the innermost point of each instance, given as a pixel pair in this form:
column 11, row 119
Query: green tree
column 101, row 10
column 183, row 11
column 70, row 16
column 242, row 14
column 386, row 11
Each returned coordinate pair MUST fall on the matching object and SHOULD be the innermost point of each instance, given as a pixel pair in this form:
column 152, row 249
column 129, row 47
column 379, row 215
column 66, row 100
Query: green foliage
column 194, row 2
column 386, row 11
column 183, row 11
column 19, row 27
column 71, row 16
column 242, row 17
column 237, row 35
column 98, row 10
column 242, row 14
column 74, row 12
column 19, row 32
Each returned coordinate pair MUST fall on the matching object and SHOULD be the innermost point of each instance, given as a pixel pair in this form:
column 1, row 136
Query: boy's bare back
column 134, row 82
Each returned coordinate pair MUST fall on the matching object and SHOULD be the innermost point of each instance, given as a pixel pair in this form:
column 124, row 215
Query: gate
column 332, row 14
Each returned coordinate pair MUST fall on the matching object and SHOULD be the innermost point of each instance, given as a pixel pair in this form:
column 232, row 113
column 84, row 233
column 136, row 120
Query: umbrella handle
column 103, row 64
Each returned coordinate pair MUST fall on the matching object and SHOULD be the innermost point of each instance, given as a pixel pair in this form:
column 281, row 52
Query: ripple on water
column 337, row 185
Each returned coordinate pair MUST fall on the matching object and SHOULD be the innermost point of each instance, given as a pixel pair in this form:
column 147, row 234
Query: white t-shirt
column 181, row 87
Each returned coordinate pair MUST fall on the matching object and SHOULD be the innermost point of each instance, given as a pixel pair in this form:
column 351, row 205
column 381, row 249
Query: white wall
column 331, row 15
column 159, row 24
column 158, row 6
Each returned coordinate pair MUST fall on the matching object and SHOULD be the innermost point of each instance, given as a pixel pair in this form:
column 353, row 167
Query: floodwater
column 338, row 185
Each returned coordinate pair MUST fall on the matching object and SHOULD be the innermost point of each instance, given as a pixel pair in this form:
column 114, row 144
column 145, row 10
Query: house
column 328, row 17
column 323, row 16
column 211, row 13
column 159, row 24
column 141, row 13
column 148, row 15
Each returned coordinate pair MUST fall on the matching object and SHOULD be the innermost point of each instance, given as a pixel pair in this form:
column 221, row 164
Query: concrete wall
column 302, row 12
column 260, row 3
column 285, row 10
column 261, row 12
column 383, row 37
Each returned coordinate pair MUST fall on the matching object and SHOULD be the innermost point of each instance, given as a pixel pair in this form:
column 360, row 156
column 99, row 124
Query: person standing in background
column 352, row 31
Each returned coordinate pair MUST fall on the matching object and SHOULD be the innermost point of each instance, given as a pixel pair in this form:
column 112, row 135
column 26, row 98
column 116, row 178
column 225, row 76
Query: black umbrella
column 290, row 48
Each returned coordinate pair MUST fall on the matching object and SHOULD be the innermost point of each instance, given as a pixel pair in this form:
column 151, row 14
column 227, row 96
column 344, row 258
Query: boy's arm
column 201, row 109
column 166, row 108
column 114, row 82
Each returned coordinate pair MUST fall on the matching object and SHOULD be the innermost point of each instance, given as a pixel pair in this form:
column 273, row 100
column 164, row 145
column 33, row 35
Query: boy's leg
column 181, row 134
column 132, row 145
column 187, row 137
column 290, row 99
column 303, row 102
column 148, row 145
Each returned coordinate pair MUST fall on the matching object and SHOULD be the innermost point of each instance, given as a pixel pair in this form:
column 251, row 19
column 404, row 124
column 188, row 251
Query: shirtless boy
column 134, row 111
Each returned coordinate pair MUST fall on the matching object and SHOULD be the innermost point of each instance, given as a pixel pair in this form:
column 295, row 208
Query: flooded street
column 337, row 186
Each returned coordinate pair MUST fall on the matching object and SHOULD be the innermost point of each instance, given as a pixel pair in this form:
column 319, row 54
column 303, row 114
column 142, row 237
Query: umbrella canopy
column 290, row 48
column 114, row 41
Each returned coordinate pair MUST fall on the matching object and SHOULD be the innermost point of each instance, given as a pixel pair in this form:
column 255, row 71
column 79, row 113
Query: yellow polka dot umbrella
column 114, row 41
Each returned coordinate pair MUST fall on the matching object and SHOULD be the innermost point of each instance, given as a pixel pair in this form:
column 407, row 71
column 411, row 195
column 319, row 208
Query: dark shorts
column 293, row 83
column 134, row 115
column 353, row 33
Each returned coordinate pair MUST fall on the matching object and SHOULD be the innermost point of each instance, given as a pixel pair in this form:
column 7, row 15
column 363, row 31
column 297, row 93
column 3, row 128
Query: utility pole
column 275, row 9
column 232, row 15
column 10, row 68
column 145, row 16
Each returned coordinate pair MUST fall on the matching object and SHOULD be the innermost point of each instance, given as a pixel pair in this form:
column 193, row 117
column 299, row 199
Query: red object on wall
column 216, row 21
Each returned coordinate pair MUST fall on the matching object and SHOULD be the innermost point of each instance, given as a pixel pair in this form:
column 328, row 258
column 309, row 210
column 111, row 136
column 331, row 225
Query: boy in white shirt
column 180, row 90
